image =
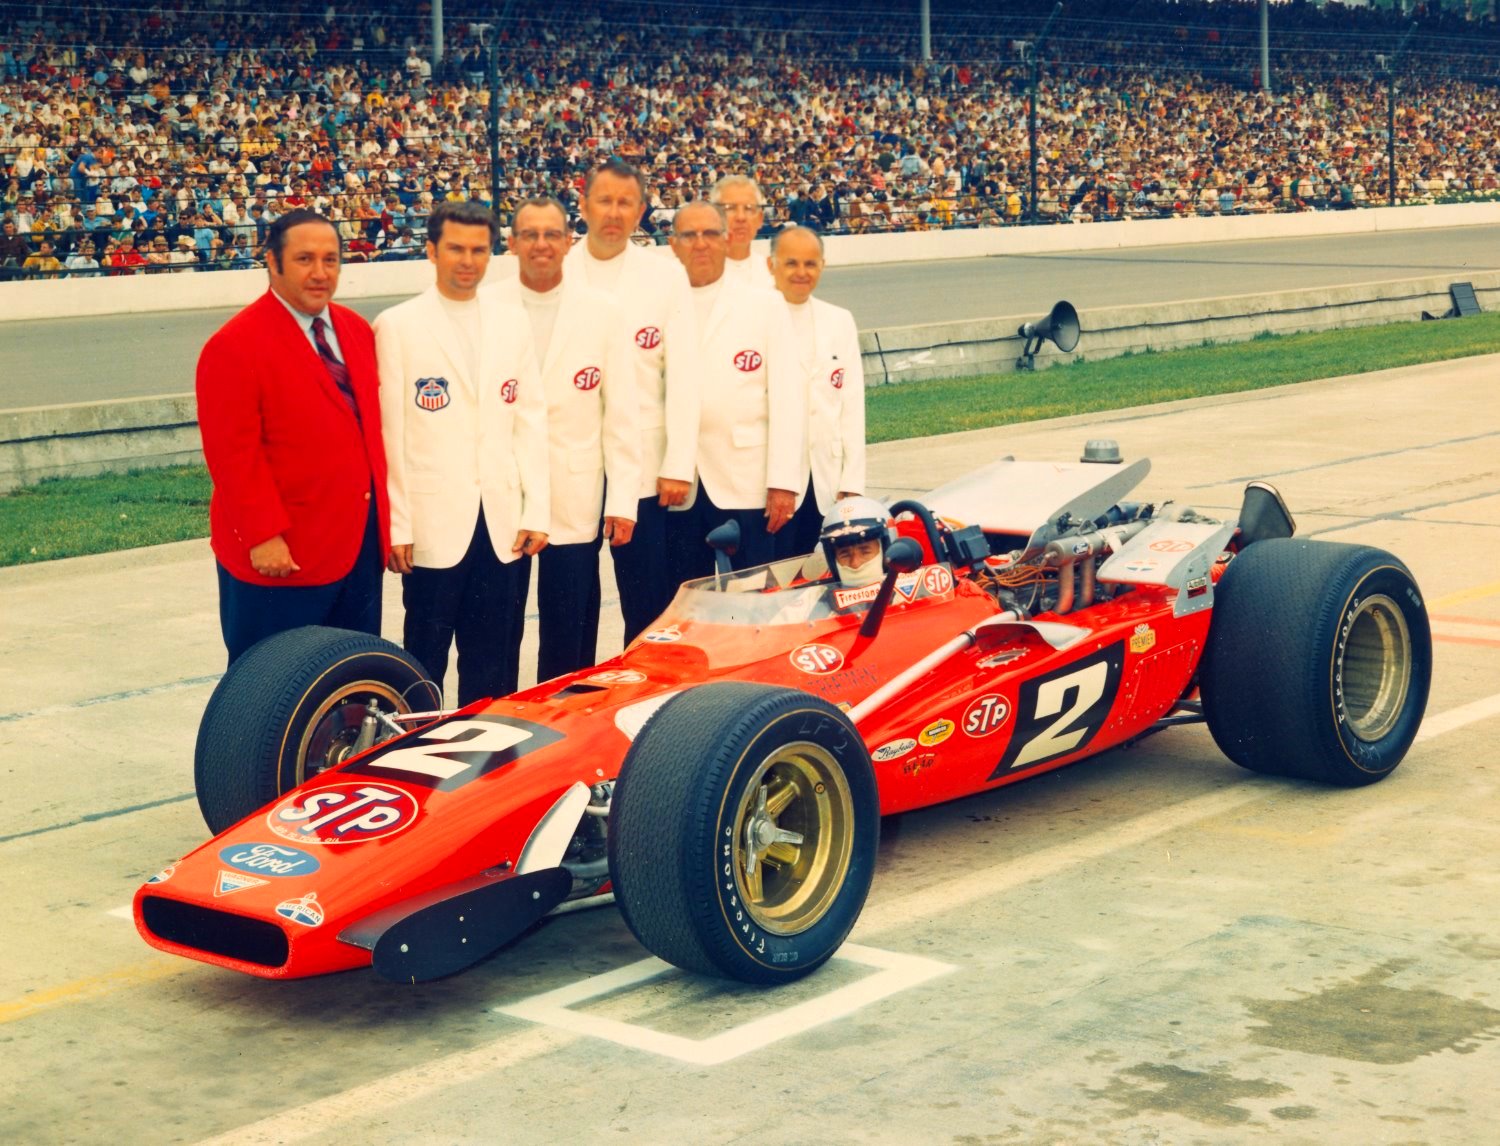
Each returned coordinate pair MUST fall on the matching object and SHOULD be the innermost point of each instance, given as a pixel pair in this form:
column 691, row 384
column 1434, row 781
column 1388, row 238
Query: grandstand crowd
column 152, row 140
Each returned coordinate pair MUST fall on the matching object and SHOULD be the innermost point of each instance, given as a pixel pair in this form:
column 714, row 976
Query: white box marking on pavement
column 124, row 911
column 893, row 972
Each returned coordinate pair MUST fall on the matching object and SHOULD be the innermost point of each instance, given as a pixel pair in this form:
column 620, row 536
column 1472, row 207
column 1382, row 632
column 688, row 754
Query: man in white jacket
column 745, row 212
column 828, row 352
column 752, row 438
column 465, row 425
column 661, row 333
column 593, row 431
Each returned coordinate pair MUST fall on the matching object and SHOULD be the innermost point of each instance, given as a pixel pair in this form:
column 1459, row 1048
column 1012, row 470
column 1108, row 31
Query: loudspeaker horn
column 1060, row 327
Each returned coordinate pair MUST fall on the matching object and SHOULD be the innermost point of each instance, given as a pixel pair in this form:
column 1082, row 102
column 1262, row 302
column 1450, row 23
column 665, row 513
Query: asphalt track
column 130, row 356
column 1153, row 947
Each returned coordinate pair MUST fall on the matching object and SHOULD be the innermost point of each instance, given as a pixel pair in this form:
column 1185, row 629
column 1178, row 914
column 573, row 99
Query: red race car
column 723, row 779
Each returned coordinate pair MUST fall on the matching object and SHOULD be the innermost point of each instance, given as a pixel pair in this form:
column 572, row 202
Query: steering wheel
column 929, row 523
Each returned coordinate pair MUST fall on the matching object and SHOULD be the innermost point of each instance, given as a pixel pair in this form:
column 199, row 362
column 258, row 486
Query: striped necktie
column 336, row 369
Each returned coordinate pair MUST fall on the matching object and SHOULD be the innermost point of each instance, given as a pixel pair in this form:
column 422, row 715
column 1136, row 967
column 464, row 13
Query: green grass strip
column 945, row 406
column 70, row 517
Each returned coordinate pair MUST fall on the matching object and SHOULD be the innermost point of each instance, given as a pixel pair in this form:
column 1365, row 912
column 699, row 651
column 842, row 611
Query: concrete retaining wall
column 127, row 433
column 97, row 437
column 78, row 298
column 991, row 346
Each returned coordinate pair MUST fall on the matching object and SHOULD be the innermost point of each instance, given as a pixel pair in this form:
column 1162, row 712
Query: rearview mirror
column 903, row 555
column 724, row 540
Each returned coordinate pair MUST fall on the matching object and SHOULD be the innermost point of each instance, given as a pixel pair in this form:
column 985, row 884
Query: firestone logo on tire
column 587, row 378
column 747, row 360
column 817, row 660
column 986, row 714
column 648, row 338
column 343, row 814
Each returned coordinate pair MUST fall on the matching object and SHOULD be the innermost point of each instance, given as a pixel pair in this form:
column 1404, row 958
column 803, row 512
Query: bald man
column 827, row 344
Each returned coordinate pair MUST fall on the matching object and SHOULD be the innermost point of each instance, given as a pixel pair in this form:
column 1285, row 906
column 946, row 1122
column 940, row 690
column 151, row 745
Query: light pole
column 486, row 34
column 1032, row 51
column 1387, row 65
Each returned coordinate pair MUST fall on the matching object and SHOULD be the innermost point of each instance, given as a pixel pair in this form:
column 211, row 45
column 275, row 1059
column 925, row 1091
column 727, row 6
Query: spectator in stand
column 14, row 249
column 158, row 256
column 81, row 262
column 44, row 263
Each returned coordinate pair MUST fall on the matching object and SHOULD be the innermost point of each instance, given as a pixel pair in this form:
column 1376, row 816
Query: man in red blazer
column 289, row 409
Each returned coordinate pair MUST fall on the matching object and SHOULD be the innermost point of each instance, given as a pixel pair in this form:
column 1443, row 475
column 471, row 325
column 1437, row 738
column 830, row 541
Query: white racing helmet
column 851, row 521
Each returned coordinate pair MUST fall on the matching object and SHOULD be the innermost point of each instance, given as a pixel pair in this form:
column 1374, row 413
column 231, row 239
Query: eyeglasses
column 535, row 236
column 693, row 236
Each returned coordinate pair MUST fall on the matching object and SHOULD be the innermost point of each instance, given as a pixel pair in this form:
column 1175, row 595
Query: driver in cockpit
column 853, row 539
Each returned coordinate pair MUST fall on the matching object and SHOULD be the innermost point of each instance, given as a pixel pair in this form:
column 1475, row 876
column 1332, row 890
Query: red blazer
column 284, row 450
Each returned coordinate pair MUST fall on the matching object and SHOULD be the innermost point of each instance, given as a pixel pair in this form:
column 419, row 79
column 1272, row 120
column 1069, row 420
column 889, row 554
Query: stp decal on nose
column 343, row 814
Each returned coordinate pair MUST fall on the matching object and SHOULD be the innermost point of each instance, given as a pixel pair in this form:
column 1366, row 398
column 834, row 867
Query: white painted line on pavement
column 894, row 972
column 354, row 1107
column 1475, row 710
column 125, row 911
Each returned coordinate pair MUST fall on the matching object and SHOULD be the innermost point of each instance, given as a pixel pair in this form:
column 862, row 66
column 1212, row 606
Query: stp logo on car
column 587, row 378
column 343, row 814
column 747, row 360
column 648, row 338
column 986, row 714
column 936, row 580
column 818, row 660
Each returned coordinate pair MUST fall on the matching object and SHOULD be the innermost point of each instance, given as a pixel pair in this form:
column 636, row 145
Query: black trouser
column 806, row 524
column 481, row 601
column 690, row 553
column 251, row 612
column 643, row 568
column 567, row 599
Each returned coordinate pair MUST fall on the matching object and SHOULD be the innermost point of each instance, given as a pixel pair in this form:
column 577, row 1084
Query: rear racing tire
column 291, row 707
column 743, row 831
column 1318, row 661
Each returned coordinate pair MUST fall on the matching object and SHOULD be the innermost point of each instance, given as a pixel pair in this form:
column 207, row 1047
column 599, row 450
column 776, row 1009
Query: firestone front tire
column 291, row 707
column 1318, row 662
column 743, row 832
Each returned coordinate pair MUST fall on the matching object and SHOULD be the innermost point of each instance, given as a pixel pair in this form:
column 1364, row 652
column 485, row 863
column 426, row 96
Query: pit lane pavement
column 1151, row 947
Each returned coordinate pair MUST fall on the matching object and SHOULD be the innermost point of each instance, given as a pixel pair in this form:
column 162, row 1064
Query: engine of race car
column 1061, row 575
column 1036, row 534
